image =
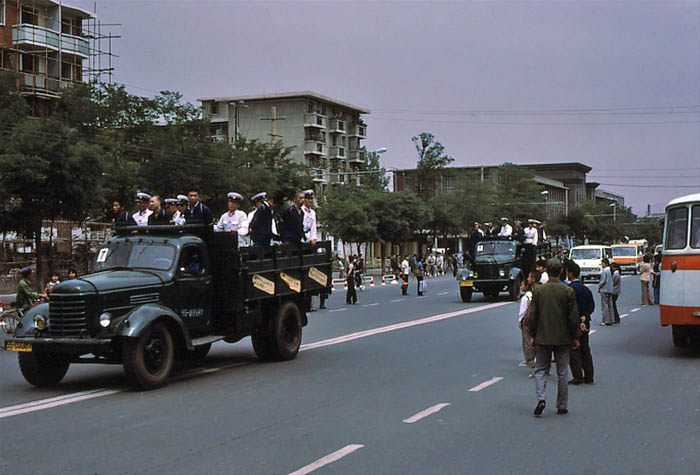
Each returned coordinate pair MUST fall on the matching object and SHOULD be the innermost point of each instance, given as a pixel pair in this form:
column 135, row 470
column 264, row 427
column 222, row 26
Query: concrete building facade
column 46, row 43
column 326, row 133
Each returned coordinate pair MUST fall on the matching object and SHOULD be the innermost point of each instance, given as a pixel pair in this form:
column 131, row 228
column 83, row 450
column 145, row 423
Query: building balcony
column 33, row 37
column 318, row 176
column 359, row 131
column 337, row 126
column 34, row 84
column 357, row 156
column 313, row 147
column 315, row 121
column 338, row 153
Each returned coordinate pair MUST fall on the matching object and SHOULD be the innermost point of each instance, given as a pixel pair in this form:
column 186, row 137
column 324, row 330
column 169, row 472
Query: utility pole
column 273, row 123
column 236, row 119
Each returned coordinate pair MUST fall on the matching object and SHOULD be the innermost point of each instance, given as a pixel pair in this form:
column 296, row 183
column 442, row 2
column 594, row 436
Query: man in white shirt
column 310, row 231
column 141, row 216
column 405, row 272
column 234, row 220
column 506, row 230
column 541, row 267
column 531, row 232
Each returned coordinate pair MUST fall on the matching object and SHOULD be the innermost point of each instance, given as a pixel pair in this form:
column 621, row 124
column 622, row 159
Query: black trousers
column 617, row 314
column 351, row 295
column 581, row 361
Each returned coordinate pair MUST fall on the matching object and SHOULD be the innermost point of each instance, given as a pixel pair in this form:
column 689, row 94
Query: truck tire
column 466, row 294
column 681, row 339
column 262, row 345
column 42, row 370
column 148, row 359
column 286, row 332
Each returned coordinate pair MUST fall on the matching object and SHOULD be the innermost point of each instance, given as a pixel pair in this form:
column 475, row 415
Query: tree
column 519, row 193
column 375, row 177
column 431, row 159
column 347, row 213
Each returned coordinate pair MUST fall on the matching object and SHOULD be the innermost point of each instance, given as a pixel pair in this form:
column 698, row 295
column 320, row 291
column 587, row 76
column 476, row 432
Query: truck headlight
column 471, row 273
column 105, row 319
column 39, row 321
column 502, row 273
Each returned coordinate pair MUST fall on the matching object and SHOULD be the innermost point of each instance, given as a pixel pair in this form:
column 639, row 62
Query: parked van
column 589, row 259
column 628, row 256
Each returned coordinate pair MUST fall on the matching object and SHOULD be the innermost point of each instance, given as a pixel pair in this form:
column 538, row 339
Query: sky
column 612, row 84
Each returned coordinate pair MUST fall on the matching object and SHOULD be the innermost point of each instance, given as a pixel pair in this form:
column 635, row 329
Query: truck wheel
column 514, row 289
column 681, row 339
column 262, row 345
column 466, row 294
column 42, row 370
column 148, row 359
column 286, row 332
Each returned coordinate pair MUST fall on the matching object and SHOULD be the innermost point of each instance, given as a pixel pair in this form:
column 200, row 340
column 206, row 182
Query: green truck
column 496, row 268
column 158, row 293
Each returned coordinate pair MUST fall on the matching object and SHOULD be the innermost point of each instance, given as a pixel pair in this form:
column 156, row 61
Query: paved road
column 391, row 385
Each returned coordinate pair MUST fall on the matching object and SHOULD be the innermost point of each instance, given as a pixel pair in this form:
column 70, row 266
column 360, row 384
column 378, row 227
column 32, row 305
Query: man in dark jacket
column 197, row 211
column 581, row 360
column 260, row 227
column 292, row 218
column 554, row 327
column 158, row 215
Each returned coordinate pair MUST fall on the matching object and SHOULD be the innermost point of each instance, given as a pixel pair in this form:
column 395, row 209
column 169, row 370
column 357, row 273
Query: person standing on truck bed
column 121, row 215
column 292, row 229
column 141, row 216
column 310, row 231
column 234, row 220
column 197, row 211
column 182, row 202
column 506, row 231
column 158, row 215
column 260, row 226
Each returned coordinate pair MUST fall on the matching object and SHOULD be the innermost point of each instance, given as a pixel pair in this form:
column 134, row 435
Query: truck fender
column 514, row 272
column 138, row 319
column 26, row 327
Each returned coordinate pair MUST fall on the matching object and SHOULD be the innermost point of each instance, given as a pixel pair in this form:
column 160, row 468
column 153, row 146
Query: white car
column 589, row 259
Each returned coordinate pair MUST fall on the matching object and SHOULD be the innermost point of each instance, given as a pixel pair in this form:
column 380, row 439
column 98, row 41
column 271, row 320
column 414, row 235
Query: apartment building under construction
column 51, row 45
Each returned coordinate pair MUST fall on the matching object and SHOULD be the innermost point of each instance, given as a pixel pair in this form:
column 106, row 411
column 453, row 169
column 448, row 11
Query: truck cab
column 171, row 291
column 496, row 268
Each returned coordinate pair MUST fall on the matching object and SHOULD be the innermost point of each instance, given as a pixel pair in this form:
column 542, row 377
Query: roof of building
column 285, row 95
column 549, row 182
column 576, row 166
column 78, row 12
column 606, row 193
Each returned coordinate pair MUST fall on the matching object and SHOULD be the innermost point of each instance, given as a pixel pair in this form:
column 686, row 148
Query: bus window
column 677, row 229
column 695, row 228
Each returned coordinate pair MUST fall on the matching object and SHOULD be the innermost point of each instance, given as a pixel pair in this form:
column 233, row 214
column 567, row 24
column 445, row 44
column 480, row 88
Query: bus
column 680, row 271
column 628, row 256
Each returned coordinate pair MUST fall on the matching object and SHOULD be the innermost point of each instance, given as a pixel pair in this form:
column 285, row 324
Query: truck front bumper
column 68, row 346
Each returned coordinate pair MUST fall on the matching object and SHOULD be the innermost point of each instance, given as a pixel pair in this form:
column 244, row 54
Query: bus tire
column 681, row 338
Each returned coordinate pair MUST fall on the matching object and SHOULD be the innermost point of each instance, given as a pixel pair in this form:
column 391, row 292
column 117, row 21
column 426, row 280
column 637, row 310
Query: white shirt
column 524, row 303
column 310, row 232
column 506, row 231
column 234, row 221
column 405, row 267
column 544, row 278
column 530, row 235
column 141, row 217
column 178, row 218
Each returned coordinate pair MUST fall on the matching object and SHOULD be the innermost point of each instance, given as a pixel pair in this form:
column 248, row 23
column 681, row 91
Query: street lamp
column 614, row 207
column 380, row 150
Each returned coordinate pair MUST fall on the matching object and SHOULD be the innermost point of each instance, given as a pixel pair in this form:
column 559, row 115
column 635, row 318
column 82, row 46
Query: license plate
column 18, row 346
column 466, row 283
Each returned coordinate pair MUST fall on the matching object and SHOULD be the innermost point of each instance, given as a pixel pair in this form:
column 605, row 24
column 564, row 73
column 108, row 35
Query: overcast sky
column 614, row 85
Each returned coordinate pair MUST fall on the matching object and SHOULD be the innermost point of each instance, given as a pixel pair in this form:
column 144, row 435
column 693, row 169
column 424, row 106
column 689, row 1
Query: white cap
column 234, row 196
column 141, row 196
column 260, row 196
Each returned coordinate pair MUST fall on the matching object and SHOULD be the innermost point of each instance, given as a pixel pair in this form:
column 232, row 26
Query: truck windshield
column 494, row 247
column 585, row 254
column 135, row 255
column 628, row 251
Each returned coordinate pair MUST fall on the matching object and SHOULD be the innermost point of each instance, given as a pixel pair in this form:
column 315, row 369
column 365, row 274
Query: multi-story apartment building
column 326, row 133
column 46, row 43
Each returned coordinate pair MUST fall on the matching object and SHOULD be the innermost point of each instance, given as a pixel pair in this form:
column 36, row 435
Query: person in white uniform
column 506, row 231
column 141, row 216
column 310, row 231
column 234, row 220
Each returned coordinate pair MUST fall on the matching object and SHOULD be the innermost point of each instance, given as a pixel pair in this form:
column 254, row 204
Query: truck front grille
column 67, row 315
column 487, row 271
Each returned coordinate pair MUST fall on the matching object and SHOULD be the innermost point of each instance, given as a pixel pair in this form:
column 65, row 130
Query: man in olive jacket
column 554, row 328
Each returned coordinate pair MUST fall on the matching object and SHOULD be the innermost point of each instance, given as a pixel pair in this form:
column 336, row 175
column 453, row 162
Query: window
column 695, row 228
column 67, row 26
column 311, row 107
column 323, row 136
column 66, row 71
column 2, row 12
column 342, row 140
column 334, row 140
column 214, row 108
column 676, row 228
column 28, row 15
column 27, row 63
column 323, row 109
column 581, row 254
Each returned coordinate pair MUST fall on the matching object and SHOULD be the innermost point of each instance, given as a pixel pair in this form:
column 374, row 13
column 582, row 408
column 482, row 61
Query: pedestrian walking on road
column 605, row 289
column 405, row 272
column 554, row 327
column 656, row 279
column 420, row 277
column 617, row 288
column 644, row 275
column 351, row 294
column 527, row 287
column 581, row 359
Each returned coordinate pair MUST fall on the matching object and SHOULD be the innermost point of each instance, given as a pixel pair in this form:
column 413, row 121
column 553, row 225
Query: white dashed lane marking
column 592, row 332
column 338, row 310
column 371, row 304
column 624, row 315
column 634, row 310
column 398, row 300
column 330, row 458
column 485, row 384
column 425, row 413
